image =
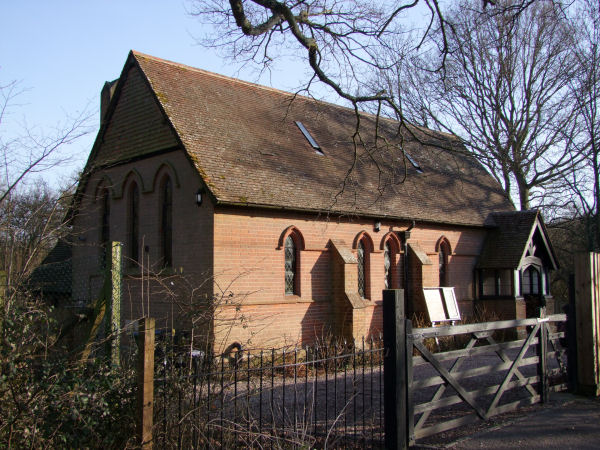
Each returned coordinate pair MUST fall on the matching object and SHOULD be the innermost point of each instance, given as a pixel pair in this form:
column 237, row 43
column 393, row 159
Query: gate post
column 571, row 330
column 115, row 303
column 542, row 349
column 587, row 307
column 145, row 381
column 394, row 370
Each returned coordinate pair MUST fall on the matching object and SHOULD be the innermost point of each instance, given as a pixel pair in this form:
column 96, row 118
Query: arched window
column 364, row 246
column 291, row 267
column 443, row 253
column 531, row 281
column 387, row 264
column 362, row 278
column 105, row 226
column 166, row 222
column 133, row 224
column 391, row 264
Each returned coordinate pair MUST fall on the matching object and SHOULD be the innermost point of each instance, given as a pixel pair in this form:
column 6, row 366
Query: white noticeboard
column 451, row 303
column 435, row 306
column 441, row 304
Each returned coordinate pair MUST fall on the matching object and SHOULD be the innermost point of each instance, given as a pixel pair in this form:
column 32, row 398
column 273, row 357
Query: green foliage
column 50, row 400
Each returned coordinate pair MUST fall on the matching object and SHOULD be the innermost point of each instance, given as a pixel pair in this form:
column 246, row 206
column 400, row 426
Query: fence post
column 145, row 381
column 3, row 289
column 587, row 307
column 542, row 355
column 115, row 303
column 394, row 370
column 571, row 330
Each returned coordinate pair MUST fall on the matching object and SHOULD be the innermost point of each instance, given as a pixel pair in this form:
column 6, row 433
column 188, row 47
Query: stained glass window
column 361, row 270
column 387, row 264
column 443, row 252
column 290, row 267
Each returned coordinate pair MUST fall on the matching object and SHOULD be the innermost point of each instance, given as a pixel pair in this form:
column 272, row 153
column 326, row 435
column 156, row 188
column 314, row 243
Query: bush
column 48, row 398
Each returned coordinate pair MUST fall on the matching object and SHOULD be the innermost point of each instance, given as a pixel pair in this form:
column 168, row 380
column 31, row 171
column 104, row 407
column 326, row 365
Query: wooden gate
column 485, row 377
column 457, row 375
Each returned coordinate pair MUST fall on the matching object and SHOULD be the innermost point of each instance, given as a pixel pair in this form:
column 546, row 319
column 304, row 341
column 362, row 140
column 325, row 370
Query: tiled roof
column 53, row 275
column 245, row 144
column 505, row 245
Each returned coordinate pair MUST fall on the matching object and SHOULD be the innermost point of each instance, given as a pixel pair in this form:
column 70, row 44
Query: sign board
column 451, row 303
column 441, row 304
column 435, row 305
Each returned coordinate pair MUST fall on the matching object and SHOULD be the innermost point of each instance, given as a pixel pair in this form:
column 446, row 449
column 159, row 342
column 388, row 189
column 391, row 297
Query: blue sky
column 63, row 51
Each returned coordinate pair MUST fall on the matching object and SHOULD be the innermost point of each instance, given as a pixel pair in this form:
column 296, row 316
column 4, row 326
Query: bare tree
column 342, row 42
column 584, row 184
column 505, row 92
column 31, row 152
column 31, row 214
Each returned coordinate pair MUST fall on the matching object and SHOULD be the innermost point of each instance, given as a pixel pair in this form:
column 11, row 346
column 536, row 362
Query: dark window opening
column 166, row 223
column 105, row 227
column 531, row 281
column 495, row 282
column 133, row 225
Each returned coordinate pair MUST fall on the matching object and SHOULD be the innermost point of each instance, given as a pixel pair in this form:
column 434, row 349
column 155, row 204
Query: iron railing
column 323, row 395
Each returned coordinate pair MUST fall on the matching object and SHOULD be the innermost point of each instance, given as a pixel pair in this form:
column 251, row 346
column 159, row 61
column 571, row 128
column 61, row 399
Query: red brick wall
column 250, row 265
column 192, row 237
column 238, row 246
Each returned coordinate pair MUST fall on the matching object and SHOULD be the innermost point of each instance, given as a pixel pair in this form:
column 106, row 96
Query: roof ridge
column 226, row 77
column 422, row 129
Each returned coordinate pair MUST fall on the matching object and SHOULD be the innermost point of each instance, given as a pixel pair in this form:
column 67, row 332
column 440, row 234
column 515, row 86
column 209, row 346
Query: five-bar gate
column 488, row 369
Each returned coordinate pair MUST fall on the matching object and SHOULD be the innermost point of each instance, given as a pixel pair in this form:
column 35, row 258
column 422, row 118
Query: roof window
column 414, row 163
column 309, row 138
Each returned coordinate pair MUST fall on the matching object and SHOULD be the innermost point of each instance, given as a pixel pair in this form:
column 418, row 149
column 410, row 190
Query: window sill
column 285, row 300
column 137, row 272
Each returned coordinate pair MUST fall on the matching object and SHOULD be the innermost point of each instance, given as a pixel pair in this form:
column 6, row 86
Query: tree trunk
column 523, row 195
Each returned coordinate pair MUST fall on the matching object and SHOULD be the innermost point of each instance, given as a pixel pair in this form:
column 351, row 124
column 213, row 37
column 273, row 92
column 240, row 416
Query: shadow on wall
column 316, row 323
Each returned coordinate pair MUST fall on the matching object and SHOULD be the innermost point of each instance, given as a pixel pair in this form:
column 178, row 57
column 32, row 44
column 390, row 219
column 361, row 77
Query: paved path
column 567, row 422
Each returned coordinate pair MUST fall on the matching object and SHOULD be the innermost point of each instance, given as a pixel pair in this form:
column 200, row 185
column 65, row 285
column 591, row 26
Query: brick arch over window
column 133, row 174
column 165, row 168
column 292, row 242
column 364, row 247
column 390, row 244
column 105, row 183
column 444, row 251
column 297, row 236
column 391, row 237
column 367, row 238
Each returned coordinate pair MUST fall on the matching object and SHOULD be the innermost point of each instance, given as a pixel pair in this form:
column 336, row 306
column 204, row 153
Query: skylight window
column 414, row 163
column 309, row 138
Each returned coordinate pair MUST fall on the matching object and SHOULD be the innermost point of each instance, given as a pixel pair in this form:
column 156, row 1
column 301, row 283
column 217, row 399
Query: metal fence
column 318, row 396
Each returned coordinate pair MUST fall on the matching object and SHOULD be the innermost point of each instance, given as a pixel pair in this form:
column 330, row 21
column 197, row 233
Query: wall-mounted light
column 199, row 196
column 377, row 225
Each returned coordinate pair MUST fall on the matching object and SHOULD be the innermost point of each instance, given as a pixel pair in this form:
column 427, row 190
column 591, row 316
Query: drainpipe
column 405, row 236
